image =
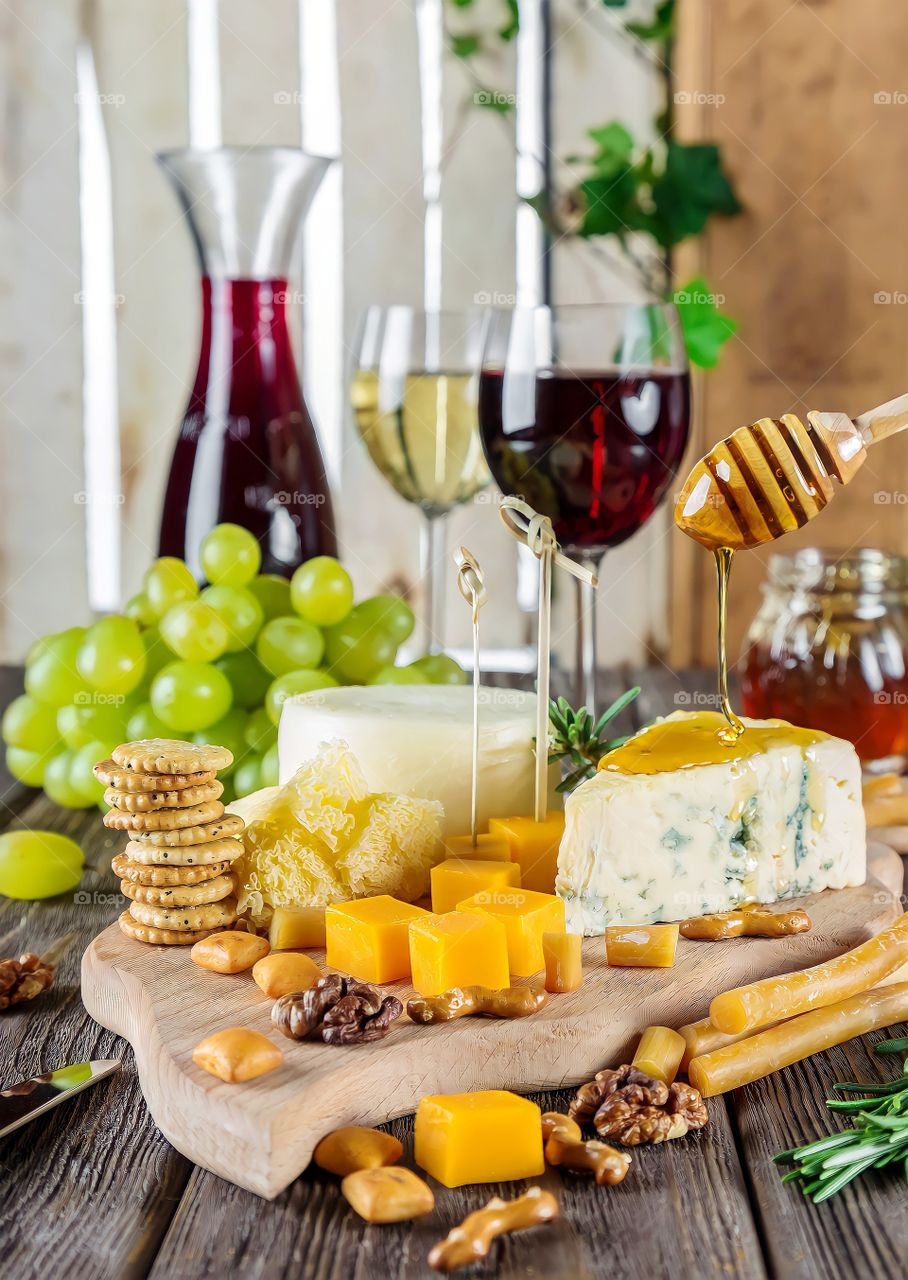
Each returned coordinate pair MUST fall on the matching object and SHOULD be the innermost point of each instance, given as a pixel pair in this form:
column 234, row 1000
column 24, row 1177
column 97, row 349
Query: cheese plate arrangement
column 409, row 920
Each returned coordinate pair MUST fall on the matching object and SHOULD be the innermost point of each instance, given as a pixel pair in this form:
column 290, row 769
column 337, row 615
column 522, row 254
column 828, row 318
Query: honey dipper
column 775, row 475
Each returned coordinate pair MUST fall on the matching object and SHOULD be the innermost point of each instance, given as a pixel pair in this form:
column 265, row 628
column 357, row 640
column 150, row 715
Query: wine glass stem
column 432, row 551
column 586, row 659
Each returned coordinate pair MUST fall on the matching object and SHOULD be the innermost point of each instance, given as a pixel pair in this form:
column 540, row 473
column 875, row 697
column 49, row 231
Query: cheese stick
column 659, row 1053
column 757, row 1056
column 702, row 1037
column 746, row 1008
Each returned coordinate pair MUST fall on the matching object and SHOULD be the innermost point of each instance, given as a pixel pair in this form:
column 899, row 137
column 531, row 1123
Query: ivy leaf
column 609, row 196
column 465, row 45
column 691, row 187
column 610, row 204
column 462, row 4
column 512, row 26
column 705, row 328
column 662, row 26
column 614, row 147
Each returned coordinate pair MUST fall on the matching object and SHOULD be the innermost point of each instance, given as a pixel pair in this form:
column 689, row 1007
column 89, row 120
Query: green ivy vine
column 664, row 192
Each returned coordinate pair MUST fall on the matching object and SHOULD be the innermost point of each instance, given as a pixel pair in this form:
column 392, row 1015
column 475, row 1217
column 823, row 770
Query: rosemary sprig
column 878, row 1135
column 581, row 740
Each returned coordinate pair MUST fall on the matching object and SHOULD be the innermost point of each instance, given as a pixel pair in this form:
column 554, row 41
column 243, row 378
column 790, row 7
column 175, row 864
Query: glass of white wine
column 414, row 394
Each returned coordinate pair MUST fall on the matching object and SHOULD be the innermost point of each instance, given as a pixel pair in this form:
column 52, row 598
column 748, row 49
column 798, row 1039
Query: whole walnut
column 631, row 1107
column 23, row 979
column 336, row 1010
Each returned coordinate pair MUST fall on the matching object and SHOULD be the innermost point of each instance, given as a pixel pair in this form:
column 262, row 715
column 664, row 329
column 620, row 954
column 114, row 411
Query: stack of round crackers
column 176, row 868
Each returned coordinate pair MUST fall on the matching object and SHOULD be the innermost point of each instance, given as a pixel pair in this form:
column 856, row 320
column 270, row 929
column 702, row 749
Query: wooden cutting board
column 261, row 1135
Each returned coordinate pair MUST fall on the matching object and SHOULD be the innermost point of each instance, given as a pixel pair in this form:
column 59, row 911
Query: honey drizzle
column 735, row 726
column 693, row 739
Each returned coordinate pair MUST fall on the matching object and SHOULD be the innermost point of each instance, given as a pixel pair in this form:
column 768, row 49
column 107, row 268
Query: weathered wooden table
column 94, row 1190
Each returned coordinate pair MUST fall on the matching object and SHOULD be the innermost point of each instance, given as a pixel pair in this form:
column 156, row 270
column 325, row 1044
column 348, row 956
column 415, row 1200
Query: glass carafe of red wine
column 247, row 449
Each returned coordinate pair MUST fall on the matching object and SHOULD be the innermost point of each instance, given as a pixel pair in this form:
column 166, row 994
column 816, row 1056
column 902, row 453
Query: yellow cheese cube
column 368, row 939
column 457, row 950
column 487, row 1136
column 526, row 916
column 641, row 946
column 534, row 847
column 297, row 927
column 488, row 848
column 459, row 878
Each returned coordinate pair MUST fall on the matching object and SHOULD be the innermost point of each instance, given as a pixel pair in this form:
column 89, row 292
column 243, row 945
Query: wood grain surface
column 801, row 98
column 93, row 1191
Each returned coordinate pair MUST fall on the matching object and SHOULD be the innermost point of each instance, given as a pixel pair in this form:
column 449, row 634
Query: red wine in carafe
column 247, row 450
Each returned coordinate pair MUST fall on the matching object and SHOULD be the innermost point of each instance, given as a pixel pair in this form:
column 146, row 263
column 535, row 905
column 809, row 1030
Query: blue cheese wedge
column 677, row 823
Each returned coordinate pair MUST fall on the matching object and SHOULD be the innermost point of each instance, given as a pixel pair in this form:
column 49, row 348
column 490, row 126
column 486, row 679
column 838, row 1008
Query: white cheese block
column 416, row 740
column 644, row 847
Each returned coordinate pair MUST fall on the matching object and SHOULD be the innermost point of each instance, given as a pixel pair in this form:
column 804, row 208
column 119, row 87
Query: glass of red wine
column 584, row 412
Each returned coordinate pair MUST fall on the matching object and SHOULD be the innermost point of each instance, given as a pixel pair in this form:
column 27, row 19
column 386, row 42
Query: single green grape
column 189, row 696
column 398, row 675
column 290, row 685
column 81, row 778
column 194, row 631
column 58, row 782
column 157, row 654
column 260, row 733
column 28, row 766
column 52, row 676
column 272, row 593
column 138, row 607
column 390, row 613
column 269, row 770
column 230, row 555
column 356, row 649
column 38, row 864
column 143, row 723
column 30, row 724
column 229, row 732
column 240, row 613
column 111, row 658
column 82, row 723
column 289, row 644
column 247, row 776
column 167, row 582
column 248, row 678
column 439, row 668
column 321, row 591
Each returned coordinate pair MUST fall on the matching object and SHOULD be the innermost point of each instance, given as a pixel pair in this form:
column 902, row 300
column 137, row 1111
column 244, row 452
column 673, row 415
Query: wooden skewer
column 776, row 474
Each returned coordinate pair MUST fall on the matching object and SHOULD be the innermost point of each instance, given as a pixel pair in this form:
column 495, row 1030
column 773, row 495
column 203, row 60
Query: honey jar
column 828, row 649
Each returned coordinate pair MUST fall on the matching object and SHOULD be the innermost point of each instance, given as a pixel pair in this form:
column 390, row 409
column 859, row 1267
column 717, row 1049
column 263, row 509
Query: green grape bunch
column 211, row 664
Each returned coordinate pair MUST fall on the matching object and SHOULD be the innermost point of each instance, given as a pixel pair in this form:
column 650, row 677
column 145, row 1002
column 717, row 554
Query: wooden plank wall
column 813, row 118
column 143, row 70
column 41, row 472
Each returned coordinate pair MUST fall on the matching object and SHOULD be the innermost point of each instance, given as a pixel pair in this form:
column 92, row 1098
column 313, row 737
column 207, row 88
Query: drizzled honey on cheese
column 678, row 822
column 693, row 739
